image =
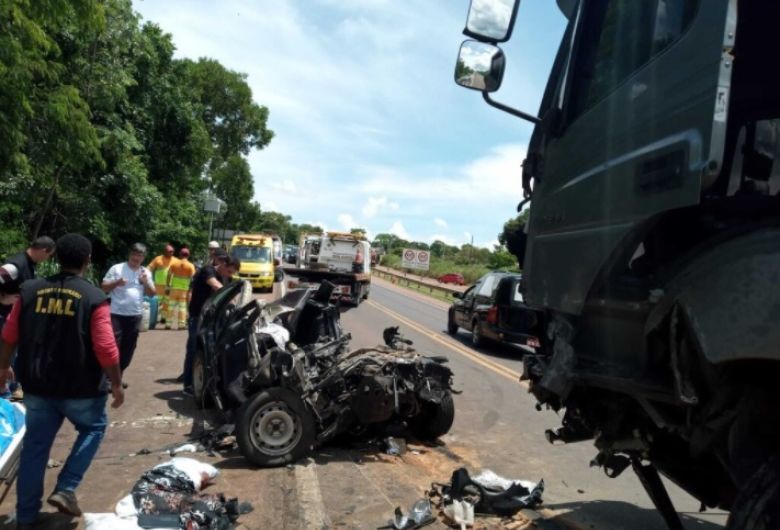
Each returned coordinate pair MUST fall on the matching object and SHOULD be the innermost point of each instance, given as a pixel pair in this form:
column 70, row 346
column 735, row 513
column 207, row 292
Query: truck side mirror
column 491, row 20
column 480, row 66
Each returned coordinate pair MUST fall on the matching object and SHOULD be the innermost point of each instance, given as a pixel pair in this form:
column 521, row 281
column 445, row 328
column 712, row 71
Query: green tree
column 513, row 236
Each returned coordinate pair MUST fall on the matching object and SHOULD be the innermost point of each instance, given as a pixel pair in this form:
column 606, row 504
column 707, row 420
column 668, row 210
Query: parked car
column 452, row 277
column 493, row 309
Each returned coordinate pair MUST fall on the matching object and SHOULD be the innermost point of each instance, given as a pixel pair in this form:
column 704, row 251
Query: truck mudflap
column 730, row 298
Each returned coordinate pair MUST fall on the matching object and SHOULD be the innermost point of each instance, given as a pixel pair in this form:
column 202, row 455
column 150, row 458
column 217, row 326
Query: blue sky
column 371, row 130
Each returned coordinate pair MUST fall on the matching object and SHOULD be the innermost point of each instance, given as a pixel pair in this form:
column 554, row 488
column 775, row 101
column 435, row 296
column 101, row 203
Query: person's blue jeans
column 189, row 355
column 44, row 419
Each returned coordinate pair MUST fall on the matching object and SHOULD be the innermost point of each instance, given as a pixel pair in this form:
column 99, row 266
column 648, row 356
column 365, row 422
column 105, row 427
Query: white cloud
column 399, row 230
column 375, row 204
column 443, row 238
column 440, row 222
column 347, row 221
column 286, row 186
column 488, row 182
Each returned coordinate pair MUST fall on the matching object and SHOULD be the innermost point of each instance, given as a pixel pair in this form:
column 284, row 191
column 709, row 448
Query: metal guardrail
column 401, row 279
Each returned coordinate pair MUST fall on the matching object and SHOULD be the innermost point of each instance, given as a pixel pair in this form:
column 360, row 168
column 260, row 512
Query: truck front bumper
column 257, row 281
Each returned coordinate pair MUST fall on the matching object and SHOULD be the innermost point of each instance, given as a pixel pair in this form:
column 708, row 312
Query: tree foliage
column 106, row 133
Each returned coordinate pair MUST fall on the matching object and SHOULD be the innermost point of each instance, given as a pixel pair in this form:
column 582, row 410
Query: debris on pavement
column 420, row 514
column 395, row 446
column 461, row 513
column 170, row 496
column 51, row 464
column 185, row 448
column 485, row 494
column 223, row 438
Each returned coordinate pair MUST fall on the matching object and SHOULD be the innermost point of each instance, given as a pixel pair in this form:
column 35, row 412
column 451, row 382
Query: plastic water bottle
column 145, row 317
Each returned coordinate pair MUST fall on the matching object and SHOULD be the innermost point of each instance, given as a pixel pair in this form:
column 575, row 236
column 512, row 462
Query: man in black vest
column 13, row 272
column 66, row 348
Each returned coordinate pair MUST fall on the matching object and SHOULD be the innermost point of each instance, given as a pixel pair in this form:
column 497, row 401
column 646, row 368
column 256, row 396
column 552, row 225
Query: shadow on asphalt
column 641, row 518
column 185, row 406
column 46, row 521
column 359, row 450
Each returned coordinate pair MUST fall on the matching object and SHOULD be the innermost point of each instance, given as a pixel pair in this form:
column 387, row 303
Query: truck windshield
column 252, row 254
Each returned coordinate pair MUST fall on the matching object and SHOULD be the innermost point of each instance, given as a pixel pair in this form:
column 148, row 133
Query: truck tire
column 758, row 504
column 201, row 395
column 274, row 428
column 434, row 420
column 452, row 327
column 366, row 290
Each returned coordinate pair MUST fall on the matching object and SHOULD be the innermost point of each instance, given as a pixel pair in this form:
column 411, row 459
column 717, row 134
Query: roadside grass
column 438, row 267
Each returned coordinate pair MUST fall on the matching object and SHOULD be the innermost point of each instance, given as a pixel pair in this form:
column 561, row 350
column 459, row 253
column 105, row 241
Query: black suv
column 493, row 309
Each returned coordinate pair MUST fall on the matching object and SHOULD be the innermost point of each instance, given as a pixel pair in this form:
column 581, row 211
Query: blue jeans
column 44, row 419
column 189, row 355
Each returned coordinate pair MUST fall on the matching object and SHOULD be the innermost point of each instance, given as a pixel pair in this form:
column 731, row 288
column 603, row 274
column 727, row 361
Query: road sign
column 415, row 259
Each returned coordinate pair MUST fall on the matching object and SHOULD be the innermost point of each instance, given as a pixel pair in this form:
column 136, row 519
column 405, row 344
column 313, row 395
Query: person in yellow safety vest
column 180, row 275
column 160, row 267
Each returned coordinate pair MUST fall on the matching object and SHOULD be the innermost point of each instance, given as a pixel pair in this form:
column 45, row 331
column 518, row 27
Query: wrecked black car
column 282, row 372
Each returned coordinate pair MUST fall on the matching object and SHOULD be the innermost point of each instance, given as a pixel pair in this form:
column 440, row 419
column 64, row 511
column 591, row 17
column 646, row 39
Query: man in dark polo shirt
column 62, row 328
column 209, row 279
column 14, row 271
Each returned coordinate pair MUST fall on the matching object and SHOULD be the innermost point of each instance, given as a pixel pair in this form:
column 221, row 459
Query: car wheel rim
column 276, row 429
column 475, row 334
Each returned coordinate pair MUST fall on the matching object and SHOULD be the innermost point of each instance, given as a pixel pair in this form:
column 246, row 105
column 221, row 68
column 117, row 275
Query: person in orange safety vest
column 160, row 266
column 179, row 277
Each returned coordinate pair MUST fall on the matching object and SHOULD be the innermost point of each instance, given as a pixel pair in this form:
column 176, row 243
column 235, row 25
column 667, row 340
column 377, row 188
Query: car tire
column 274, row 428
column 434, row 420
column 477, row 339
column 201, row 395
column 365, row 294
column 452, row 327
column 757, row 506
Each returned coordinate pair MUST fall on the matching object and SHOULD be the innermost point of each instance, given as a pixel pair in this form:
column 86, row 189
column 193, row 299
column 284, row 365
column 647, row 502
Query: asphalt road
column 497, row 421
column 356, row 485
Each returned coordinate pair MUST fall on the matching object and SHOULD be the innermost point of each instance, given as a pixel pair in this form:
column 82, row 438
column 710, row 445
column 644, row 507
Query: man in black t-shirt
column 208, row 280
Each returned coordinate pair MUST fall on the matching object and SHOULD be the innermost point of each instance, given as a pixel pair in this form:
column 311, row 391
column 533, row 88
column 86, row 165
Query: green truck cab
column 653, row 161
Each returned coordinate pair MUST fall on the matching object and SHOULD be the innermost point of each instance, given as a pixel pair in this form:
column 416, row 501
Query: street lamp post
column 213, row 204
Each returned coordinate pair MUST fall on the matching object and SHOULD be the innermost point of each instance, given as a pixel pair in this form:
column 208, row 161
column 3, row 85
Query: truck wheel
column 758, row 504
column 452, row 327
column 434, row 420
column 477, row 339
column 201, row 395
column 366, row 290
column 274, row 428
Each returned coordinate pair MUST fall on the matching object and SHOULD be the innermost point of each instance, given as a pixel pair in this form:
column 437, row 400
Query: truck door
column 640, row 127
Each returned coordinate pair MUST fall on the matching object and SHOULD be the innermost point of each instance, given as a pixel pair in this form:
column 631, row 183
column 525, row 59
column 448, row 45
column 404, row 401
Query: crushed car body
column 284, row 374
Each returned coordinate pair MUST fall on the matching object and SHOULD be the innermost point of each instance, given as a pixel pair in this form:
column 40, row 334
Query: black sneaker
column 187, row 391
column 65, row 502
